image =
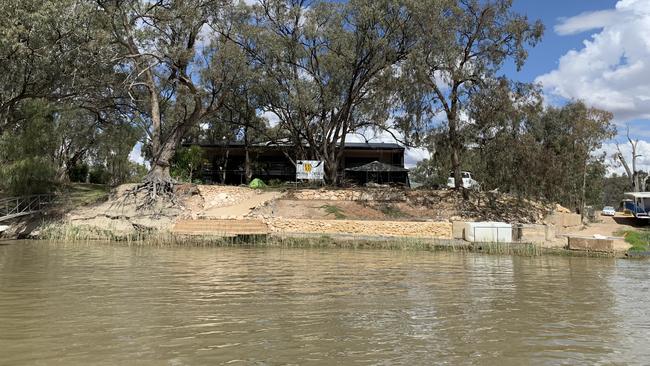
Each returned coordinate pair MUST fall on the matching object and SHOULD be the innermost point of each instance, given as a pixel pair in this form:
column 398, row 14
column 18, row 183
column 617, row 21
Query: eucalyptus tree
column 178, row 72
column 54, row 50
column 459, row 51
column 326, row 67
column 550, row 153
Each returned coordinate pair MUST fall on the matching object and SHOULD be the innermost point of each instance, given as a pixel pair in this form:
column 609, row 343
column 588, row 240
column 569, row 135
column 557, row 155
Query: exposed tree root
column 155, row 193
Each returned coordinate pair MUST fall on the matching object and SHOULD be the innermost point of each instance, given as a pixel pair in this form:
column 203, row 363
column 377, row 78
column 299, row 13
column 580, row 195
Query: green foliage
column 52, row 49
column 99, row 175
column 82, row 82
column 26, row 164
column 79, row 194
column 392, row 211
column 639, row 239
column 334, row 210
column 614, row 188
column 30, row 175
column 186, row 162
column 545, row 153
column 110, row 155
column 78, row 172
column 329, row 74
column 137, row 172
column 459, row 47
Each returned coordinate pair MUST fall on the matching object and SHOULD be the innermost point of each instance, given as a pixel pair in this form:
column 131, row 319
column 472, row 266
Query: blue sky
column 597, row 51
column 544, row 57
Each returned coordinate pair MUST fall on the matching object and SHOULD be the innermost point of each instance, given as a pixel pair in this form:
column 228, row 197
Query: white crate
column 492, row 232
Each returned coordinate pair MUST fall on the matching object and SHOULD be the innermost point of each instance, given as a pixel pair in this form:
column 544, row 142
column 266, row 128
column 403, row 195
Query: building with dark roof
column 225, row 163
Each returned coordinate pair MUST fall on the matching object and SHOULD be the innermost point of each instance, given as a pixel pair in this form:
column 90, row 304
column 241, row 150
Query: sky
column 597, row 51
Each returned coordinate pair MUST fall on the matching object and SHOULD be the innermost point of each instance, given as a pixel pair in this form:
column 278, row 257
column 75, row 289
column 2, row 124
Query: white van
column 468, row 181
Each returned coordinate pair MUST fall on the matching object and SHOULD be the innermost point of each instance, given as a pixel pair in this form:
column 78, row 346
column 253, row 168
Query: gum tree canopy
column 326, row 67
column 459, row 52
column 179, row 72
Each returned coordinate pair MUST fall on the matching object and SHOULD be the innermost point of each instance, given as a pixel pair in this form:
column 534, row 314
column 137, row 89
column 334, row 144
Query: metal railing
column 12, row 207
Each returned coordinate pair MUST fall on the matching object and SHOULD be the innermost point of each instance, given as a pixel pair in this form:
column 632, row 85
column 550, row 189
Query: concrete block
column 531, row 233
column 458, row 229
column 591, row 244
column 551, row 232
column 497, row 232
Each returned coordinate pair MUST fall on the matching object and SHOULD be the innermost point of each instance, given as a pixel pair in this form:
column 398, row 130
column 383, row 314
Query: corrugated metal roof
column 377, row 166
column 348, row 145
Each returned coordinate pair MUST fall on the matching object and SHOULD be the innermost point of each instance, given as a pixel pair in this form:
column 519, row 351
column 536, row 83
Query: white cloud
column 411, row 155
column 585, row 22
column 414, row 155
column 612, row 69
column 136, row 155
column 269, row 116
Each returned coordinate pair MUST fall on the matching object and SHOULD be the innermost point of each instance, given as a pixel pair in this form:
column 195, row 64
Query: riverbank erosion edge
column 352, row 218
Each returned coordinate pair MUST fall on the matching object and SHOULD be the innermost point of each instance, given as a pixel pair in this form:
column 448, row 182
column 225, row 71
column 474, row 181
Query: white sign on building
column 310, row 169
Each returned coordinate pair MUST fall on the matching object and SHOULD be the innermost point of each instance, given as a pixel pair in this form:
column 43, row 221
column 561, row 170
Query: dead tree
column 633, row 174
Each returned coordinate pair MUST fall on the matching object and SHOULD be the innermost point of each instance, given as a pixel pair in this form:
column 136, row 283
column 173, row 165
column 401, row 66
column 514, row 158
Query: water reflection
column 105, row 304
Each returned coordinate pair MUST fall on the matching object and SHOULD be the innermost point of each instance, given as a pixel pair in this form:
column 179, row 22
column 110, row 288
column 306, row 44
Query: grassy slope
column 79, row 194
column 639, row 239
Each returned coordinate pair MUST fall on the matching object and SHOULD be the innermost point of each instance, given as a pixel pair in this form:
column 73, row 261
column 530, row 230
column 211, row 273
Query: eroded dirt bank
column 383, row 211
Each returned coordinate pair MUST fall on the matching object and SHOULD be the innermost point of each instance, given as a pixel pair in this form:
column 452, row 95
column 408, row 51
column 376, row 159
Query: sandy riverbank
column 360, row 213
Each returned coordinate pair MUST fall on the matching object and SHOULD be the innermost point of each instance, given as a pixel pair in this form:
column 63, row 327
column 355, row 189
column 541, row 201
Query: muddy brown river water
column 106, row 304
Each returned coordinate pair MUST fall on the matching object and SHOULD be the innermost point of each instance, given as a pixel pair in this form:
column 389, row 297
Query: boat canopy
column 639, row 204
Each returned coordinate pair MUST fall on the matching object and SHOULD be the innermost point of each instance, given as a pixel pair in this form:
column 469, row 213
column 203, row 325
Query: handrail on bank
column 12, row 207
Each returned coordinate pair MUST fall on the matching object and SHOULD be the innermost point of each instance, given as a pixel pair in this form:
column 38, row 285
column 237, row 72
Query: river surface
column 106, row 304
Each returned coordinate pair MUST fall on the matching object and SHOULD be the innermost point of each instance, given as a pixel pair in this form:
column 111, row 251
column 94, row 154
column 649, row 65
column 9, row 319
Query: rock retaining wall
column 384, row 194
column 428, row 229
column 563, row 219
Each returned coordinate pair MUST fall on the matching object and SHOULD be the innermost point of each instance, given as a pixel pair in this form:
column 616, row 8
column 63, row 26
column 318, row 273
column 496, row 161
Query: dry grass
column 71, row 233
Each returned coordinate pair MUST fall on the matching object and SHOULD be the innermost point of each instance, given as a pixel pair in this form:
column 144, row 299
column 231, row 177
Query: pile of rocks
column 324, row 194
column 222, row 196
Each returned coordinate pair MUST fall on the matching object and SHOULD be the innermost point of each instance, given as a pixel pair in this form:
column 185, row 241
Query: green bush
column 187, row 162
column 78, row 173
column 99, row 175
column 32, row 175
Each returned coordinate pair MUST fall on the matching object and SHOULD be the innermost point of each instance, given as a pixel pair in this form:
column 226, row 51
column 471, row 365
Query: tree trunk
column 248, row 172
column 583, row 193
column 225, row 167
column 62, row 174
column 159, row 172
column 456, row 147
column 331, row 169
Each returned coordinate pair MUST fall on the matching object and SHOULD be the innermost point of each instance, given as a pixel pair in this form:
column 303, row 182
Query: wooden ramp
column 221, row 227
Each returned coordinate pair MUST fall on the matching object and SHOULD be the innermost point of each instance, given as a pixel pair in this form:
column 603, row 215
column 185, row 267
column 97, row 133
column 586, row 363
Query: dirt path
column 609, row 226
column 243, row 208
